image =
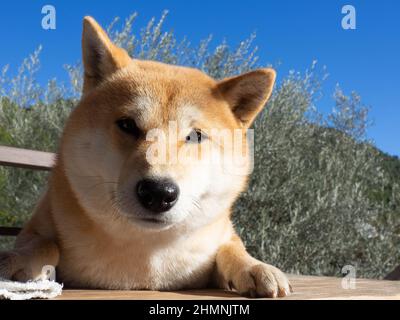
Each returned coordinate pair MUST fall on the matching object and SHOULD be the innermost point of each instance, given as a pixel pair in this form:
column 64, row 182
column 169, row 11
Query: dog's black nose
column 157, row 195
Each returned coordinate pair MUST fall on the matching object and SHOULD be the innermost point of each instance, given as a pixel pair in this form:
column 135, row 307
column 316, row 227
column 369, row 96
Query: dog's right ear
column 248, row 93
column 100, row 56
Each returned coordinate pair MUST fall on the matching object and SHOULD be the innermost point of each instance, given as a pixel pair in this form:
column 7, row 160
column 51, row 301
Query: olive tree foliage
column 314, row 202
column 309, row 206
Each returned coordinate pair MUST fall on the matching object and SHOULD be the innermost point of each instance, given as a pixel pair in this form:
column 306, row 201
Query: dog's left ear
column 100, row 56
column 248, row 93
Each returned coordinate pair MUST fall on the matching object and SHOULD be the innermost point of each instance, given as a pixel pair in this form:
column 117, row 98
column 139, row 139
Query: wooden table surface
column 305, row 288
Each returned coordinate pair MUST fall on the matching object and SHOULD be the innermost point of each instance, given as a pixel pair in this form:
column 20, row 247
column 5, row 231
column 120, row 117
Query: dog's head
column 156, row 146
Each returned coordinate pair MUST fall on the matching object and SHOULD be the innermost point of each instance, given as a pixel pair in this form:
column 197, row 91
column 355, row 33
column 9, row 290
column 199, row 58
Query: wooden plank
column 9, row 231
column 305, row 288
column 322, row 288
column 146, row 295
column 23, row 158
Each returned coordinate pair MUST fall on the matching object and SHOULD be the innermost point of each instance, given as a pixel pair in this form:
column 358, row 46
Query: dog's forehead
column 154, row 96
column 149, row 111
column 162, row 99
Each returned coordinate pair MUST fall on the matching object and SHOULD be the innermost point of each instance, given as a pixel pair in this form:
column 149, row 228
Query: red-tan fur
column 93, row 241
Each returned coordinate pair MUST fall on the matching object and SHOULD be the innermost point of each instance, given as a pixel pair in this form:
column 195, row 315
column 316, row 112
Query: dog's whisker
column 94, row 186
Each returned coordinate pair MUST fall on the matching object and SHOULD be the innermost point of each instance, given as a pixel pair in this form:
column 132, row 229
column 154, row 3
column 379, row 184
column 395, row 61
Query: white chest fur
column 186, row 262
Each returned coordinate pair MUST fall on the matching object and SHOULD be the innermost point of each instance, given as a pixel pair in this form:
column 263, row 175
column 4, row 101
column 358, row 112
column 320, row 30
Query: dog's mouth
column 154, row 220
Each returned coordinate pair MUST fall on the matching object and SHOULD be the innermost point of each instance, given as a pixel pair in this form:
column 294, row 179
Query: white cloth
column 40, row 289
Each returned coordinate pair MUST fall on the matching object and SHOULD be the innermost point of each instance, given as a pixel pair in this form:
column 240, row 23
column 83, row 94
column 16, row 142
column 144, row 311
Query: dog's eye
column 196, row 136
column 129, row 126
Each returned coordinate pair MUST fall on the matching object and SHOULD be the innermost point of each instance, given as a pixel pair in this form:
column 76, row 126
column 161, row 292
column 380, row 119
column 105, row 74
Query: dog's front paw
column 261, row 281
column 6, row 265
column 10, row 263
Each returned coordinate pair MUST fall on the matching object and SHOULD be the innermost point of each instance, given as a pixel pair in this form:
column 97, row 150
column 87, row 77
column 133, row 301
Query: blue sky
column 291, row 32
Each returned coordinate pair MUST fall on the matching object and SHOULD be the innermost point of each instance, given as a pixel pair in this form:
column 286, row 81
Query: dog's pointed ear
column 248, row 93
column 100, row 56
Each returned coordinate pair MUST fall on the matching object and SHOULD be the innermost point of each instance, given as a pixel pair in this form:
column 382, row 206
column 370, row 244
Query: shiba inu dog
column 114, row 218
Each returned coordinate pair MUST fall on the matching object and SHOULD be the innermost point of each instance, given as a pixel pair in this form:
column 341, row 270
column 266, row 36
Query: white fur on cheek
column 92, row 167
column 207, row 191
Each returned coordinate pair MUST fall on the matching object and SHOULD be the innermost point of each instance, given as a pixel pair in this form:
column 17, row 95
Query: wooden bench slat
column 29, row 159
column 9, row 231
